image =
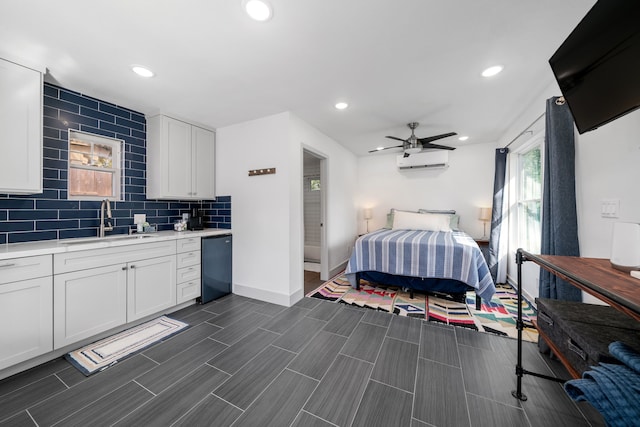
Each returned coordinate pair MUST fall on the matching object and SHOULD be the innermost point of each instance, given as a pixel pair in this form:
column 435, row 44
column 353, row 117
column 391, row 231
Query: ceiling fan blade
column 435, row 137
column 436, row 146
column 386, row 148
column 397, row 139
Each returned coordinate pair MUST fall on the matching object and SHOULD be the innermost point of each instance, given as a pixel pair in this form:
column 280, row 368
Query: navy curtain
column 559, row 219
column 497, row 210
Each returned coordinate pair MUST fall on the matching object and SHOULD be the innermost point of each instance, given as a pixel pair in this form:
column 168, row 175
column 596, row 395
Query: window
column 530, row 197
column 94, row 166
column 314, row 184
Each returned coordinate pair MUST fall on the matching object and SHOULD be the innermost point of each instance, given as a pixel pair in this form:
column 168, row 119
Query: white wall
column 466, row 185
column 608, row 167
column 260, row 214
column 267, row 210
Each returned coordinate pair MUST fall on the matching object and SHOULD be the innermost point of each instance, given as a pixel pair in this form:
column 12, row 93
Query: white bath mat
column 106, row 352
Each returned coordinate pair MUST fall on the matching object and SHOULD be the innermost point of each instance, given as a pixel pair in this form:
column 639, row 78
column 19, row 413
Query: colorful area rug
column 497, row 316
column 100, row 355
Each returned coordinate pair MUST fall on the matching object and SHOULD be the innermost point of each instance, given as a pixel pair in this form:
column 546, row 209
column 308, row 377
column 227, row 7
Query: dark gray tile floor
column 245, row 362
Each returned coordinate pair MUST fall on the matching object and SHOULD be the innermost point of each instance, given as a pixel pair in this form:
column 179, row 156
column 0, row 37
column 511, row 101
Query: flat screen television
column 598, row 65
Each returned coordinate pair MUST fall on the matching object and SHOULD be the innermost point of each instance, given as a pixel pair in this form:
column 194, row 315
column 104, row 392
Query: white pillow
column 417, row 221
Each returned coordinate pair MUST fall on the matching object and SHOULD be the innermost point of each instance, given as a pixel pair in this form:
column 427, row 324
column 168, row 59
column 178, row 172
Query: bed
column 436, row 261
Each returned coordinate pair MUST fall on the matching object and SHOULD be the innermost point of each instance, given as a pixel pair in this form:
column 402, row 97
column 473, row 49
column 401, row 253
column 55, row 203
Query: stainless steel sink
column 107, row 239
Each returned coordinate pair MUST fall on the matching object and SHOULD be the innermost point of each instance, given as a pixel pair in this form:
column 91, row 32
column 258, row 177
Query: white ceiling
column 393, row 61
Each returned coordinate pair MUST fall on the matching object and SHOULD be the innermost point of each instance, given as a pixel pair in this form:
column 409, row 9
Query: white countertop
column 47, row 247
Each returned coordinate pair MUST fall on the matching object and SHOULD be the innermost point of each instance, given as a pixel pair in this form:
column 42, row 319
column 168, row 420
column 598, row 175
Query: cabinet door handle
column 7, row 265
column 124, row 268
column 133, row 266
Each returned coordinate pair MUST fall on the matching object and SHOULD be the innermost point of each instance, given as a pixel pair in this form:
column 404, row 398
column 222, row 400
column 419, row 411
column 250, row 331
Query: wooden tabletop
column 596, row 277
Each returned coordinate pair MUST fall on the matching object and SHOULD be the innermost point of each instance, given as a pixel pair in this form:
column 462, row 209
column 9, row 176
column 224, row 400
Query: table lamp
column 367, row 217
column 485, row 216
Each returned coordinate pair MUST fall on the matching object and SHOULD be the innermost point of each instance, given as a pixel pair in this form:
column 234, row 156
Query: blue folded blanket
column 626, row 355
column 614, row 390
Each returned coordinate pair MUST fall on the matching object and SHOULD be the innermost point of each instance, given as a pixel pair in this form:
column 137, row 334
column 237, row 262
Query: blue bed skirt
column 447, row 286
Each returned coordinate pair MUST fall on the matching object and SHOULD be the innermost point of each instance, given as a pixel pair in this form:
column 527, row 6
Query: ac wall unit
column 425, row 159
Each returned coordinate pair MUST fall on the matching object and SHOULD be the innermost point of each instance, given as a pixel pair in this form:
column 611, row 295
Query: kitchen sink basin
column 107, row 239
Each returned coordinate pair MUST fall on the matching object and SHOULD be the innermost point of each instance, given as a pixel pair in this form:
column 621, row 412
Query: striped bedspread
column 444, row 255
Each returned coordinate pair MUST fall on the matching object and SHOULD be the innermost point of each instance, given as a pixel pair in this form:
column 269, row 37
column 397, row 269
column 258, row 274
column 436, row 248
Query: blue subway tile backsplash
column 50, row 215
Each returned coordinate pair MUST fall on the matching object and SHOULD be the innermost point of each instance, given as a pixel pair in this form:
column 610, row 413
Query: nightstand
column 483, row 243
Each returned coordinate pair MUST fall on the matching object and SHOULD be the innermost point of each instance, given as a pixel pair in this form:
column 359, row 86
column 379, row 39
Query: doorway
column 314, row 204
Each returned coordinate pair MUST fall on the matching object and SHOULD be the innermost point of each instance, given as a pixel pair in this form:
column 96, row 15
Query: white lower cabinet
column 188, row 269
column 88, row 302
column 151, row 286
column 90, row 298
column 49, row 302
column 25, row 319
column 187, row 291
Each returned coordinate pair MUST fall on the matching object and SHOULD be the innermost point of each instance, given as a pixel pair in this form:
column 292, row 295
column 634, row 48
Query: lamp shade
column 485, row 214
column 367, row 214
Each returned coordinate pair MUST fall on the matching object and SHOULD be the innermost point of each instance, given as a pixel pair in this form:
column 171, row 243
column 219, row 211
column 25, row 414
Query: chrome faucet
column 109, row 227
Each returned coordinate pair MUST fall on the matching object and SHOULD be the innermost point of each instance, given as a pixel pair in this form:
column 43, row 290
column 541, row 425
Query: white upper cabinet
column 203, row 160
column 20, row 129
column 180, row 160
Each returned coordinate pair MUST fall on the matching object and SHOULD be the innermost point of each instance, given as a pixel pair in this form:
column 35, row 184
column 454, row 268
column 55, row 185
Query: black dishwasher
column 216, row 267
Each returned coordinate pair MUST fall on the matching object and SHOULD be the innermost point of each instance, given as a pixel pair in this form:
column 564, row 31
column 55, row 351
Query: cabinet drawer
column 188, row 259
column 188, row 273
column 189, row 245
column 93, row 258
column 187, row 291
column 13, row 270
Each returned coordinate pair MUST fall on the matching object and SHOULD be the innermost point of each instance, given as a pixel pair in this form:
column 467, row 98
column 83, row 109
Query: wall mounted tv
column 598, row 65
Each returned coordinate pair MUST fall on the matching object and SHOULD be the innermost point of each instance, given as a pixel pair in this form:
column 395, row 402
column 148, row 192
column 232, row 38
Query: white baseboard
column 312, row 266
column 525, row 294
column 337, row 269
column 267, row 296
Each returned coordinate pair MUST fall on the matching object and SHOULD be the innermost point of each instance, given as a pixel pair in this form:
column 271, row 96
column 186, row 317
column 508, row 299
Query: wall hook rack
column 264, row 171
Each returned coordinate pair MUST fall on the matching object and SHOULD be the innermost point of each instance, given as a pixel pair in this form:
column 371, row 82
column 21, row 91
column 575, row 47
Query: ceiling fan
column 414, row 144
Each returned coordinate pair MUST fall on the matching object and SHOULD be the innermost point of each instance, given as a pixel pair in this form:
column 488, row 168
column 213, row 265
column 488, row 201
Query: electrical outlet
column 139, row 218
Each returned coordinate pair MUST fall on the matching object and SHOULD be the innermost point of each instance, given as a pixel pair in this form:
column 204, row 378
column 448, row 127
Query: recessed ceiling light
column 463, row 138
column 341, row 105
column 259, row 10
column 492, row 71
column 142, row 71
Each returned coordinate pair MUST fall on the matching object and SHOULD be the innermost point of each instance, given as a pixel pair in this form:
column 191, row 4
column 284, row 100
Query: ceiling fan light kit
column 414, row 145
column 259, row 10
column 492, row 71
column 142, row 71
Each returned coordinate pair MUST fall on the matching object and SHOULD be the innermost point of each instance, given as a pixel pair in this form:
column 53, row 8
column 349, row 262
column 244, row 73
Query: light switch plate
column 139, row 218
column 610, row 208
